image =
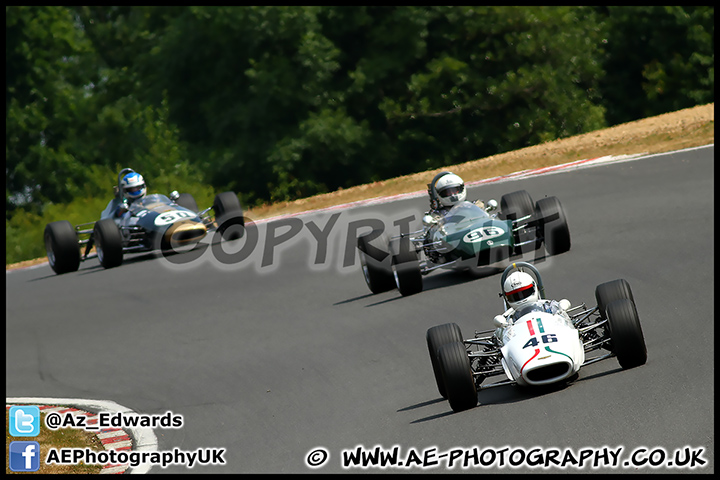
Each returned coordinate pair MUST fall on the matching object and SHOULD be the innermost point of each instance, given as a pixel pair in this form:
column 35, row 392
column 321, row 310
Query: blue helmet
column 133, row 186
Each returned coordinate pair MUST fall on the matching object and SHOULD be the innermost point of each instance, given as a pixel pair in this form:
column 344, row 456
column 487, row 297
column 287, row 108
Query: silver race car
column 154, row 222
column 546, row 342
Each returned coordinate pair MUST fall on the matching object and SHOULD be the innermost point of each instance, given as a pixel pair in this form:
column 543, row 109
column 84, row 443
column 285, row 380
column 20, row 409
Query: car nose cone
column 547, row 369
column 184, row 233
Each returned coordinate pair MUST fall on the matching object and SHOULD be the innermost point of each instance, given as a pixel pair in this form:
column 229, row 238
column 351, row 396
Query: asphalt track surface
column 273, row 362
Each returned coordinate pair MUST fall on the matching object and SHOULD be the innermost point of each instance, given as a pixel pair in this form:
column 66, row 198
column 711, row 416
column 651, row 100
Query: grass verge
column 60, row 438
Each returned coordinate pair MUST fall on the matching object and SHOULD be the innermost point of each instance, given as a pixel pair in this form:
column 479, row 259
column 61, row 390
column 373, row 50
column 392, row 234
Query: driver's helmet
column 520, row 290
column 450, row 190
column 133, row 186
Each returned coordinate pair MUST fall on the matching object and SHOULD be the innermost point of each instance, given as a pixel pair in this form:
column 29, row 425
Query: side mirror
column 491, row 205
column 174, row 195
column 428, row 220
column 500, row 321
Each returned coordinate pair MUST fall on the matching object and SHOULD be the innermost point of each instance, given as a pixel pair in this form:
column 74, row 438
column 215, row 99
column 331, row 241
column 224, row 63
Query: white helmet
column 133, row 186
column 449, row 190
column 520, row 290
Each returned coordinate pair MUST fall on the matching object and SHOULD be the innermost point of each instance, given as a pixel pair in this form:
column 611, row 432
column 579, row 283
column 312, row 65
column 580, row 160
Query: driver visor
column 134, row 189
column 520, row 294
column 454, row 190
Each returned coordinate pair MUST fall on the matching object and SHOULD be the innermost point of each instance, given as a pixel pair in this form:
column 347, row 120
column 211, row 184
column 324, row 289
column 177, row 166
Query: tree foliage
column 46, row 63
column 659, row 59
column 282, row 102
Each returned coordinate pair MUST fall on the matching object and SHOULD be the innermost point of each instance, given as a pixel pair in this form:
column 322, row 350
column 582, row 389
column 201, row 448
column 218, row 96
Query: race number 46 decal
column 544, row 337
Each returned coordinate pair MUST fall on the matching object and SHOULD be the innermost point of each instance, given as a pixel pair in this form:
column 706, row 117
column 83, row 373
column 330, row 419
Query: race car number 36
column 172, row 217
column 483, row 233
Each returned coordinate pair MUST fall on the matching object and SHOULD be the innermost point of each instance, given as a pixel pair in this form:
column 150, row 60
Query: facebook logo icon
column 24, row 421
column 24, row 456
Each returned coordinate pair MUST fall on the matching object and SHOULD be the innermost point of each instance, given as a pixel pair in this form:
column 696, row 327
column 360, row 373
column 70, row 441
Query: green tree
column 500, row 78
column 659, row 59
column 76, row 104
column 241, row 83
column 46, row 77
column 281, row 102
column 284, row 102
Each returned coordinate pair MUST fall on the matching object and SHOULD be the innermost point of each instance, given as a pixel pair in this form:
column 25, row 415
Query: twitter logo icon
column 24, row 421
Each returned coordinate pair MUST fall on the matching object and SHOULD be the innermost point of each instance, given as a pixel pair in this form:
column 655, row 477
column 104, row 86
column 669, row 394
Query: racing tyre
column 513, row 206
column 516, row 205
column 228, row 213
column 555, row 231
column 406, row 269
column 186, row 200
column 108, row 243
column 606, row 293
column 628, row 342
column 457, row 376
column 63, row 249
column 437, row 337
column 376, row 261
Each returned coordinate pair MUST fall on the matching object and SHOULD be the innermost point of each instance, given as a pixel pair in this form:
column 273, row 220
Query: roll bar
column 118, row 190
column 431, row 194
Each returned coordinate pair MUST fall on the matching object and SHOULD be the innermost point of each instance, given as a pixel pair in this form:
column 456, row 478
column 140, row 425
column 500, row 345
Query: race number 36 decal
column 172, row 217
column 544, row 337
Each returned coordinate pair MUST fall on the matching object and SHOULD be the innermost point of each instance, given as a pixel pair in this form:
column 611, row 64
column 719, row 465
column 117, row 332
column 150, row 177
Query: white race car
column 543, row 343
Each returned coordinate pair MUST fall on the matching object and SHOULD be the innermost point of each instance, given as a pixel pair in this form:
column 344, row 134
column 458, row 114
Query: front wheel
column 436, row 337
column 457, row 376
column 516, row 205
column 555, row 231
column 628, row 342
column 608, row 292
column 228, row 213
column 376, row 261
column 108, row 243
column 186, row 200
column 63, row 249
column 406, row 269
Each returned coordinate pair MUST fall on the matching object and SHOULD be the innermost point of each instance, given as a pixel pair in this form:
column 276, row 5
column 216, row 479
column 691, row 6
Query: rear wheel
column 555, row 231
column 406, row 269
column 457, row 375
column 376, row 261
column 628, row 342
column 437, row 337
column 608, row 292
column 63, row 249
column 228, row 213
column 108, row 243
